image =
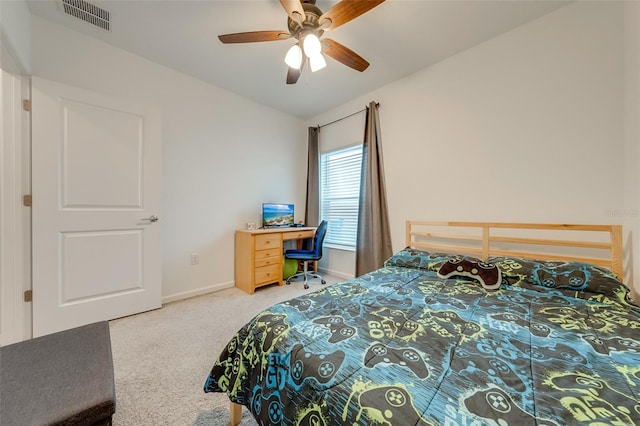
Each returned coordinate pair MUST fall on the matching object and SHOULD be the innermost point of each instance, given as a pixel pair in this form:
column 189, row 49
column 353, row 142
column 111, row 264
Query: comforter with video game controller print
column 403, row 346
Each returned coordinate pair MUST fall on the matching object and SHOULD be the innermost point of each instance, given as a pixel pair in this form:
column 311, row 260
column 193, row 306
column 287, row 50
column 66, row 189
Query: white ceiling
column 398, row 38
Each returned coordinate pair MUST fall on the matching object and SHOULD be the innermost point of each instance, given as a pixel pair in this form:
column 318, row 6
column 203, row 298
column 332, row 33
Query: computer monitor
column 277, row 214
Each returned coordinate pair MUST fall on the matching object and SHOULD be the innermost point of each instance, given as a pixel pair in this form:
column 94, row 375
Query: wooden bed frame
column 598, row 244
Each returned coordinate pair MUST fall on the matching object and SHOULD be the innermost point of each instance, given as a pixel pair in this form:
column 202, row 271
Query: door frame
column 15, row 229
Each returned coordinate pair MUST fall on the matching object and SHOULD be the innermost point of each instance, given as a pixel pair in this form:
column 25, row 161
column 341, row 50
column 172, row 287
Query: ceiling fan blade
column 345, row 11
column 343, row 54
column 294, row 10
column 254, row 36
column 294, row 74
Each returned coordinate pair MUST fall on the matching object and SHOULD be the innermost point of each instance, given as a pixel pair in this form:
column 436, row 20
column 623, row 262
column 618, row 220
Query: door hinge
column 28, row 295
column 27, row 200
column 26, row 105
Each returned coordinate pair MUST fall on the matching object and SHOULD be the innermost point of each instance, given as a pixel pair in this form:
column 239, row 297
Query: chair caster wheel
column 324, row 282
column 306, row 286
column 287, row 283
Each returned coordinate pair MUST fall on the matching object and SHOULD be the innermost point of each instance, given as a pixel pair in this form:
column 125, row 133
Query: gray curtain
column 373, row 244
column 312, row 206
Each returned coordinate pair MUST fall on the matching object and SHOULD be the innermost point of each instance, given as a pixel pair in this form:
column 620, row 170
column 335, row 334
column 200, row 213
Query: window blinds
column 339, row 193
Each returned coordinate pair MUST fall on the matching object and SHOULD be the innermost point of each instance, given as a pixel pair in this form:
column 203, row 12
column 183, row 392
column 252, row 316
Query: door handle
column 153, row 218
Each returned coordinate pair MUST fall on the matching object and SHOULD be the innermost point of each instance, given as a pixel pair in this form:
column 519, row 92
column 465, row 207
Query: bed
column 472, row 323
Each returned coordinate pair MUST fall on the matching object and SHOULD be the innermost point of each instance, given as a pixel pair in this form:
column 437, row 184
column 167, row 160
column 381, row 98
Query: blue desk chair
column 311, row 255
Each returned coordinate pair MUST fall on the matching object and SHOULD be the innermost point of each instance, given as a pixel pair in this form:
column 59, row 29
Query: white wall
column 527, row 126
column 15, row 35
column 223, row 155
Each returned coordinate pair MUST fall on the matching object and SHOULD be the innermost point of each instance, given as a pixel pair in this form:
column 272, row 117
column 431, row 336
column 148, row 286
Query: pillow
column 560, row 275
column 486, row 274
column 418, row 259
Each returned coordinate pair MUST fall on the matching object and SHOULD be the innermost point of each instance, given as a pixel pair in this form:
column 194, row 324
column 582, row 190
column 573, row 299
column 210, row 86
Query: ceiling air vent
column 88, row 12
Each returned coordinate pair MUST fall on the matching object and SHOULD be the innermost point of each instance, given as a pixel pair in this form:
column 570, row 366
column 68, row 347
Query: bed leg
column 235, row 411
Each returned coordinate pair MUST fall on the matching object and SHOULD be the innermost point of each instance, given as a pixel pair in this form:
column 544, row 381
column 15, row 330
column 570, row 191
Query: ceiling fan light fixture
column 306, row 23
column 317, row 62
column 294, row 57
column 311, row 45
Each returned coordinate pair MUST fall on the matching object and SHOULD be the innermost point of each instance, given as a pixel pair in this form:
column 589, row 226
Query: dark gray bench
column 65, row 378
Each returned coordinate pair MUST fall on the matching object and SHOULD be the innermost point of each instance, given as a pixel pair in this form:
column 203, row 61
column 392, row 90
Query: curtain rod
column 346, row 116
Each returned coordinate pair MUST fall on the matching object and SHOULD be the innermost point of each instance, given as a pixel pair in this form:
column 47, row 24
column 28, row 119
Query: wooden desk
column 259, row 255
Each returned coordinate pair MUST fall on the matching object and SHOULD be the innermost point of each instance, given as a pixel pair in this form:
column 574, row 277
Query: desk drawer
column 299, row 235
column 261, row 254
column 267, row 241
column 267, row 274
column 266, row 261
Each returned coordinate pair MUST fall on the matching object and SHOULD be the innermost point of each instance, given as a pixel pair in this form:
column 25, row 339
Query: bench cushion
column 63, row 378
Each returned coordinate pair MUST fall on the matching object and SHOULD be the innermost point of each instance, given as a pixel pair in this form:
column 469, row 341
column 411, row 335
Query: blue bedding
column 404, row 346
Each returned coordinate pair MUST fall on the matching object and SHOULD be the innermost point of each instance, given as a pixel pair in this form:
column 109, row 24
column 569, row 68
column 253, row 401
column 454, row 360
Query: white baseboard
column 217, row 287
column 337, row 274
column 197, row 292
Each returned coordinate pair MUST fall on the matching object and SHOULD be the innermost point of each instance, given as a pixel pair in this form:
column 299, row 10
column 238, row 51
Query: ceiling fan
column 307, row 23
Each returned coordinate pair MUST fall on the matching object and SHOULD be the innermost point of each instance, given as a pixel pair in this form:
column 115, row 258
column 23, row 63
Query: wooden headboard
column 596, row 244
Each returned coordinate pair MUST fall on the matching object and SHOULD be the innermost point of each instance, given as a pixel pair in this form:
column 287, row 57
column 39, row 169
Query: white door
column 96, row 197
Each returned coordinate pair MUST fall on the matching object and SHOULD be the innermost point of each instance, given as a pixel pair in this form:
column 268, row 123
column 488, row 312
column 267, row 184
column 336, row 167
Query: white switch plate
column 195, row 258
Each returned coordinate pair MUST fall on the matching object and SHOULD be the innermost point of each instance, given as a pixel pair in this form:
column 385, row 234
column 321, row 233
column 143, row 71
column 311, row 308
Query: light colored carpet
column 162, row 358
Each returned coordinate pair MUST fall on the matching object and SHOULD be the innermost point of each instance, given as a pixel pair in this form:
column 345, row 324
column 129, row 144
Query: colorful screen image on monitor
column 274, row 214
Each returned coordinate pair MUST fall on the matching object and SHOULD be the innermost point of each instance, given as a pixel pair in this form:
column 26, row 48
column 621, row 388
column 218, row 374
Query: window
column 339, row 194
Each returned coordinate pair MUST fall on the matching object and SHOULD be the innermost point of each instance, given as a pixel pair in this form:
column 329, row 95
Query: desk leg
column 235, row 411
